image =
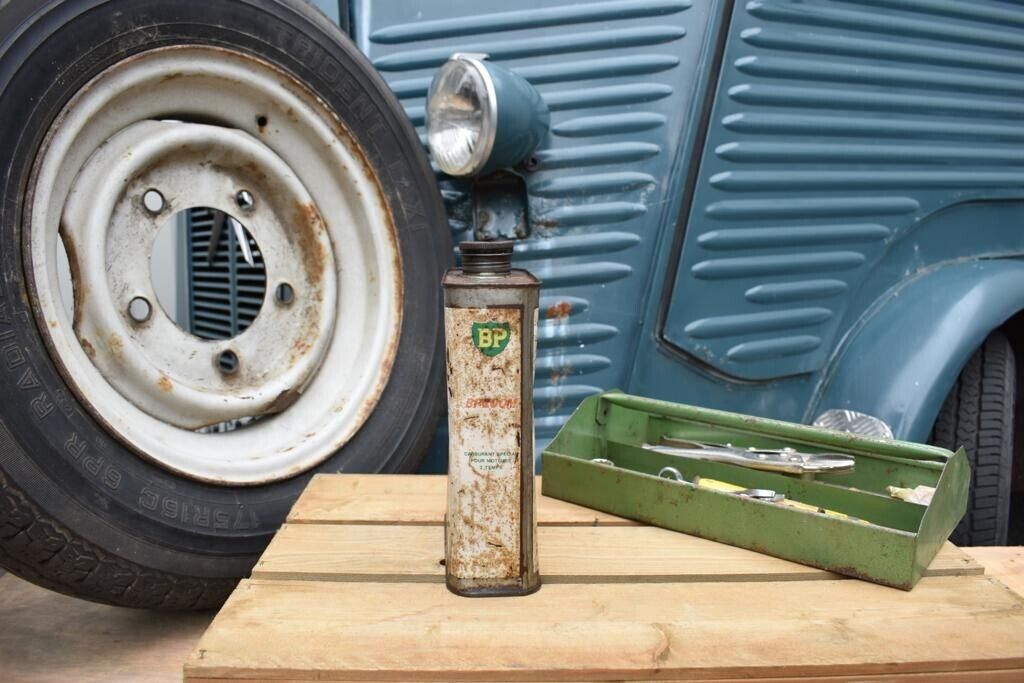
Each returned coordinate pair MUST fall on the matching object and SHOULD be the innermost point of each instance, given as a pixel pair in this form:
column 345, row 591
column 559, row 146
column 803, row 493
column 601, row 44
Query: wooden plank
column 982, row 676
column 411, row 499
column 1006, row 564
column 581, row 554
column 305, row 630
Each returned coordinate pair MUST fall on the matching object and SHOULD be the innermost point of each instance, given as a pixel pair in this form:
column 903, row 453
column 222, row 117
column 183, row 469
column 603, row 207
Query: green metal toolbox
column 867, row 534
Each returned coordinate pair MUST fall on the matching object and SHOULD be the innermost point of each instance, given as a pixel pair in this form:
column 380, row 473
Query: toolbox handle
column 795, row 433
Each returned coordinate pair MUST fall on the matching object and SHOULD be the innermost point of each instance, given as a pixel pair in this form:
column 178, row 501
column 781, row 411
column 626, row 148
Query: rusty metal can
column 490, row 338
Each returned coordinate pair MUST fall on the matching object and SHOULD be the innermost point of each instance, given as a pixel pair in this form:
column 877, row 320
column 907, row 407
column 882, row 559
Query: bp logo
column 491, row 338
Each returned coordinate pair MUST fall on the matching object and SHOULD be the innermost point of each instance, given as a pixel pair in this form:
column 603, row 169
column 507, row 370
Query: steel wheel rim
column 241, row 104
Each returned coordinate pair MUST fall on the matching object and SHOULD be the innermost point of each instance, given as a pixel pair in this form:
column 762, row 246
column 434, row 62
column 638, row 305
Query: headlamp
column 481, row 117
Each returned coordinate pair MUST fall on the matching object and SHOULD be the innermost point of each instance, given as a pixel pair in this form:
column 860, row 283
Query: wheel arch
column 903, row 358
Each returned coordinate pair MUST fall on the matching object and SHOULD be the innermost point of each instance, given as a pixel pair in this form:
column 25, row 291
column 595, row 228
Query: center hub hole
column 227, row 361
column 208, row 273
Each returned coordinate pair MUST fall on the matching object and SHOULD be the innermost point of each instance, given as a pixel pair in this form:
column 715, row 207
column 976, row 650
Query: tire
column 86, row 511
column 978, row 415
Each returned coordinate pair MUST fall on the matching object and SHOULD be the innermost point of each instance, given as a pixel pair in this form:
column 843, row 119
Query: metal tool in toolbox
column 787, row 460
column 827, row 499
column 766, row 495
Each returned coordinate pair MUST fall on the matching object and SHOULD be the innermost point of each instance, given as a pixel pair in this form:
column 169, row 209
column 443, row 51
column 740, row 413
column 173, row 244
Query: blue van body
column 773, row 207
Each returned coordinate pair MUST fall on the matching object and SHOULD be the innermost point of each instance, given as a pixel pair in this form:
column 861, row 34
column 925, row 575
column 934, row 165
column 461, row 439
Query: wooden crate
column 352, row 588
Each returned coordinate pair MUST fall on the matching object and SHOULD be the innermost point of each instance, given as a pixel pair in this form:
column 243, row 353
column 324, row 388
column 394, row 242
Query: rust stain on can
column 484, row 379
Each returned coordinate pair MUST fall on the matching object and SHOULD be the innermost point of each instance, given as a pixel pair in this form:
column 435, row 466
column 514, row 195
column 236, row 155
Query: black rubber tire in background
column 978, row 414
column 79, row 511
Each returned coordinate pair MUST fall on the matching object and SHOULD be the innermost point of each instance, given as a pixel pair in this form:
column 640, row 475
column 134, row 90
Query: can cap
column 486, row 258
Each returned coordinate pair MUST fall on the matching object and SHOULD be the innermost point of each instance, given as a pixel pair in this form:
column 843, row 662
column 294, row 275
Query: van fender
column 901, row 361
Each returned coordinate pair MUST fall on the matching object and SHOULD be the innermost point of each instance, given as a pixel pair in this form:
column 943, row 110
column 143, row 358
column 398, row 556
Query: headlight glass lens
column 460, row 117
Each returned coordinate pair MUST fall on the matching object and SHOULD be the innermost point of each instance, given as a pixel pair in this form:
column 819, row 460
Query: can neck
column 486, row 258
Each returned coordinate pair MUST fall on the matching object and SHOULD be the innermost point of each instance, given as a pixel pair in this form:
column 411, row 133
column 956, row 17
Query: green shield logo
column 491, row 338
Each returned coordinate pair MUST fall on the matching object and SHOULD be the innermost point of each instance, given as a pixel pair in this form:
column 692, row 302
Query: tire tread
column 74, row 535
column 44, row 552
column 978, row 415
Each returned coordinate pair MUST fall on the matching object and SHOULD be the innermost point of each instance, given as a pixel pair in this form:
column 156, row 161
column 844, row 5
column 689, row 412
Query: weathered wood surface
column 413, row 499
column 572, row 554
column 1007, row 564
column 352, row 589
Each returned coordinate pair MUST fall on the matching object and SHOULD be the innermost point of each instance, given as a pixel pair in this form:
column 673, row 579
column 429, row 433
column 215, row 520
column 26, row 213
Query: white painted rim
column 153, row 393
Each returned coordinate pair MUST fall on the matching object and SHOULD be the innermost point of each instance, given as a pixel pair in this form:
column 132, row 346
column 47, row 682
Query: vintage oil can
column 490, row 337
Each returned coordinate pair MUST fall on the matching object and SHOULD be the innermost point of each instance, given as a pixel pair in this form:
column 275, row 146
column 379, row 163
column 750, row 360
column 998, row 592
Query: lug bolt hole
column 227, row 362
column 245, row 200
column 284, row 294
column 153, row 201
column 139, row 309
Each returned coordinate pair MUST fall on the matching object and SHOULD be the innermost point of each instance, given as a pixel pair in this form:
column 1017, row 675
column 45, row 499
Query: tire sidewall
column 50, row 447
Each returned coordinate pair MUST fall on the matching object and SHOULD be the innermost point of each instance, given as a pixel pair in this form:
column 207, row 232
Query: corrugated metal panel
column 838, row 126
column 618, row 76
column 225, row 293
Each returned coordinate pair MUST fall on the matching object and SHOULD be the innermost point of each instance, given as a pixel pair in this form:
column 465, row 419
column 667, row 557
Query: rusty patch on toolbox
column 859, row 574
